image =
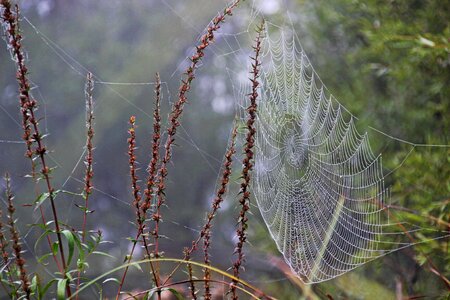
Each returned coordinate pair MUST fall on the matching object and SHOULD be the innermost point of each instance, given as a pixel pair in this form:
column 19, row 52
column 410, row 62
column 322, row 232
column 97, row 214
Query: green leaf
column 44, row 196
column 61, row 289
column 175, row 293
column 36, row 285
column 7, row 282
column 40, row 199
column 103, row 253
column 55, row 248
column 44, row 234
column 148, row 296
column 70, row 193
column 40, row 225
column 44, row 257
column 81, row 265
column 70, row 243
column 137, row 266
column 111, row 279
column 133, row 240
column 43, row 291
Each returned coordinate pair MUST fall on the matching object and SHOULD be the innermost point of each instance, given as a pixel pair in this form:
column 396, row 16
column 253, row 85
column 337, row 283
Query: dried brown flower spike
column 16, row 245
column 247, row 162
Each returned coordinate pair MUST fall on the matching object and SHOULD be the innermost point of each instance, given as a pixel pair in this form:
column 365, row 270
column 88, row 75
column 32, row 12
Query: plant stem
column 20, row 261
column 89, row 149
column 141, row 209
column 136, row 193
column 28, row 107
column 248, row 160
column 152, row 169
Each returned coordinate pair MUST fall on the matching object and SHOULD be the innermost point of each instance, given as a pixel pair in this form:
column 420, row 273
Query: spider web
column 318, row 185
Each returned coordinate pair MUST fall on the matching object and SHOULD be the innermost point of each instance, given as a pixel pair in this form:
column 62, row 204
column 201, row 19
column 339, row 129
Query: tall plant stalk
column 30, row 121
column 248, row 161
column 89, row 159
column 141, row 207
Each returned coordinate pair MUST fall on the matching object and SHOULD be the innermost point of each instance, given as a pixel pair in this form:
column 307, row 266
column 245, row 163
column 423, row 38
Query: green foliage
column 391, row 58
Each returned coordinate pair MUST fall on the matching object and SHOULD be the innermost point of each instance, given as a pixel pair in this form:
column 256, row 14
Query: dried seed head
column 247, row 162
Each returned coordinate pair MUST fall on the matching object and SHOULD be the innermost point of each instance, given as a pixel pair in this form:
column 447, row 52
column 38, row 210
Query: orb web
column 318, row 185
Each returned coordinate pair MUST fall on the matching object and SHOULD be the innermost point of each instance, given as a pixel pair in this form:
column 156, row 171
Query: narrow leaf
column 175, row 293
column 61, row 289
column 111, row 279
column 40, row 199
column 70, row 243
column 103, row 253
column 45, row 289
column 44, row 234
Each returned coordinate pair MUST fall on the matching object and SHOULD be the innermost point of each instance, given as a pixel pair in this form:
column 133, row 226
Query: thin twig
column 438, row 221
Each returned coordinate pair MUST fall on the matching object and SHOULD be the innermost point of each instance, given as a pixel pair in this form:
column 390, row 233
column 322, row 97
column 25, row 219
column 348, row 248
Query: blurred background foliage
column 387, row 61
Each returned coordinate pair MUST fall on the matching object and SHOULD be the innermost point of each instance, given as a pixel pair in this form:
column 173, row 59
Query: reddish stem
column 20, row 261
column 247, row 162
column 28, row 107
column 89, row 149
column 136, row 193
